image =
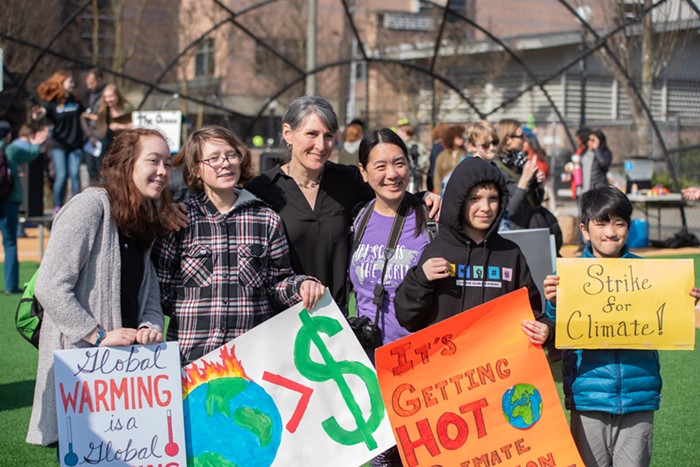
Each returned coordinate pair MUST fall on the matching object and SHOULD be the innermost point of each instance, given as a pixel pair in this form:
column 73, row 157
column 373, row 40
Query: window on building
column 204, row 59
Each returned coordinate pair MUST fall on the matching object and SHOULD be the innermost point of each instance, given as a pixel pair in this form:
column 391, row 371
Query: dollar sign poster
column 625, row 304
column 472, row 391
column 120, row 406
column 297, row 390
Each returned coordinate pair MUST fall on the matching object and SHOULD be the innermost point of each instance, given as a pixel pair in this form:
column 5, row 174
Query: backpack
column 7, row 182
column 29, row 314
column 543, row 218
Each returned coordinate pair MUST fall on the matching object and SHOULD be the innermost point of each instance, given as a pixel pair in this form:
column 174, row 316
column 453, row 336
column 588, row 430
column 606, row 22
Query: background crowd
column 359, row 217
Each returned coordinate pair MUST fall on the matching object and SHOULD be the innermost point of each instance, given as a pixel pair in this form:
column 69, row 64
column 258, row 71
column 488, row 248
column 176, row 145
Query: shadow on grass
column 16, row 395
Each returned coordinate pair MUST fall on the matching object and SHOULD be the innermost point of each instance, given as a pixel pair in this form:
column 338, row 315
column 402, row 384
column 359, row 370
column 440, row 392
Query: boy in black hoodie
column 469, row 263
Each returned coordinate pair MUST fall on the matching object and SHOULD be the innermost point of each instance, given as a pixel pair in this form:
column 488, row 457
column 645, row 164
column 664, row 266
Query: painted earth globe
column 522, row 405
column 231, row 422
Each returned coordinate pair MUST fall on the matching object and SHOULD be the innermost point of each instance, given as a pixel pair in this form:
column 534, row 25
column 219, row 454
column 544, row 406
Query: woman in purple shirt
column 384, row 166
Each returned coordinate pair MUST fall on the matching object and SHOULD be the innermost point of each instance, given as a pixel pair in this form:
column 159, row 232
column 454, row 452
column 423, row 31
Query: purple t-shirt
column 368, row 261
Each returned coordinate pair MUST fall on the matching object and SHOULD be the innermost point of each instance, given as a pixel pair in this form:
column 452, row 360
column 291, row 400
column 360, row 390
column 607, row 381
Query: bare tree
column 644, row 48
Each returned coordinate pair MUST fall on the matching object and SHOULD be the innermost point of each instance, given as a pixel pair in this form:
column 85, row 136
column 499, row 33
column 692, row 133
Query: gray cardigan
column 79, row 286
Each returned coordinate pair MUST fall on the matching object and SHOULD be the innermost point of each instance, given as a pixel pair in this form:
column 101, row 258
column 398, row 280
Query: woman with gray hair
column 314, row 196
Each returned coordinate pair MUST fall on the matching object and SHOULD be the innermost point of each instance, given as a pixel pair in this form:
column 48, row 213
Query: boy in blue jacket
column 612, row 393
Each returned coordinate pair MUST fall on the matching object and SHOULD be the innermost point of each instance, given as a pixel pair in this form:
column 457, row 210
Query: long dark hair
column 602, row 138
column 374, row 138
column 136, row 216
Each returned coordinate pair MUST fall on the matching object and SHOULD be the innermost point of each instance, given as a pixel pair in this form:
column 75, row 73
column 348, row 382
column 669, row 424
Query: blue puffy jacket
column 615, row 381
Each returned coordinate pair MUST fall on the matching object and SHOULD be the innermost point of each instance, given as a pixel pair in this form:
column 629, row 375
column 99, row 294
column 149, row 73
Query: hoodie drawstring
column 464, row 287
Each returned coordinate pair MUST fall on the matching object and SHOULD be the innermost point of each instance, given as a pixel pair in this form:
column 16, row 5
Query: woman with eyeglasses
column 229, row 269
column 523, row 179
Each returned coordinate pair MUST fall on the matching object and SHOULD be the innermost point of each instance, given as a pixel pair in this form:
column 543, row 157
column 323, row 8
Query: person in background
column 596, row 161
column 524, row 180
column 94, row 82
column 437, row 147
column 63, row 109
column 96, row 283
column 113, row 115
column 351, row 144
column 229, row 270
column 612, row 393
column 535, row 152
column 437, row 289
column 482, row 141
column 24, row 150
column 418, row 157
column 316, row 197
column 454, row 152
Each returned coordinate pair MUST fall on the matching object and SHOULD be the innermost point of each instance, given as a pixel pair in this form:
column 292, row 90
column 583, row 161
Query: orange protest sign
column 472, row 391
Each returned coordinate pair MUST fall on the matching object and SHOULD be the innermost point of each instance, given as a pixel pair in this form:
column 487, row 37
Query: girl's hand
column 535, row 331
column 434, row 202
column 550, row 288
column 695, row 293
column 175, row 217
column 311, row 292
column 119, row 337
column 540, row 176
column 593, row 142
column 691, row 193
column 147, row 335
column 40, row 136
column 529, row 171
column 436, row 268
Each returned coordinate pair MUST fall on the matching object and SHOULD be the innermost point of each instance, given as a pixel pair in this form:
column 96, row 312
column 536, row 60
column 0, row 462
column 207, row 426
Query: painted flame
column 198, row 374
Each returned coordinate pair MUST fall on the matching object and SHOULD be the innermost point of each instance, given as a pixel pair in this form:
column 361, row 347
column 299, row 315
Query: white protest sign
column 169, row 122
column 120, row 406
column 298, row 390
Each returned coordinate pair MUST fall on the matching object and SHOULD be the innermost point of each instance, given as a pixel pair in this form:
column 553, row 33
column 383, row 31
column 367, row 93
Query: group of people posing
column 246, row 248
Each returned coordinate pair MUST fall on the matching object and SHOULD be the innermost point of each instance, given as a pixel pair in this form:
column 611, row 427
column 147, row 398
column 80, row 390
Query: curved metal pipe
column 38, row 58
column 196, row 41
column 370, row 60
column 116, row 73
column 515, row 58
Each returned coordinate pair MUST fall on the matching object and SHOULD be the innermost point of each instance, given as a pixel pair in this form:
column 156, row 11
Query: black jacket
column 420, row 303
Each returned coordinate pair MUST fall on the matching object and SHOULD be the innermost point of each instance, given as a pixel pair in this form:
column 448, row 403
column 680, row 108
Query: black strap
column 389, row 250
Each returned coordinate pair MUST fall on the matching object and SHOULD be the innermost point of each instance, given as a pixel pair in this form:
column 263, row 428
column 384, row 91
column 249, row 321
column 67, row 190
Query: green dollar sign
column 331, row 369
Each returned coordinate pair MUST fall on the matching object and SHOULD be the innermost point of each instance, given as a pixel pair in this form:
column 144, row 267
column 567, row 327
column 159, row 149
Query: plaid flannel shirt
column 224, row 274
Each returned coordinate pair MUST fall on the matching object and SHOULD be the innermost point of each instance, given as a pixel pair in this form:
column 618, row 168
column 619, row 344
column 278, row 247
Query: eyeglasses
column 520, row 136
column 217, row 162
column 486, row 146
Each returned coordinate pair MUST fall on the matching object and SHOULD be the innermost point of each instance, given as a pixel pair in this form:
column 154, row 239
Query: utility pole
column 311, row 48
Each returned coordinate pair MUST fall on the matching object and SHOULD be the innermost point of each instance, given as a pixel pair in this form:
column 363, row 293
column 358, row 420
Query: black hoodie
column 420, row 302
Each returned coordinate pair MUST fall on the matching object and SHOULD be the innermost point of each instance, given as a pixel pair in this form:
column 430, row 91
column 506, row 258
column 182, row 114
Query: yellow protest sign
column 625, row 304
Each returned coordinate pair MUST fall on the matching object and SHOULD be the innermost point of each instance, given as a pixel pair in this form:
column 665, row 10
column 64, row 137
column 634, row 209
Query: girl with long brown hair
column 63, row 109
column 96, row 282
column 113, row 115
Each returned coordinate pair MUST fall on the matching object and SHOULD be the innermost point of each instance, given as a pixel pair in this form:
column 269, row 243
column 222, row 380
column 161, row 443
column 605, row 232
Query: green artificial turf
column 676, row 427
column 18, row 363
